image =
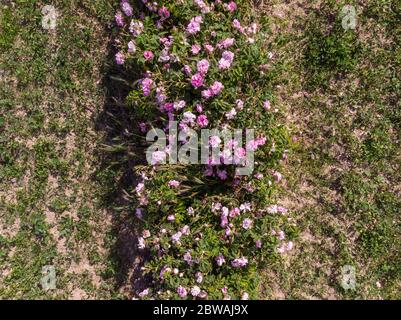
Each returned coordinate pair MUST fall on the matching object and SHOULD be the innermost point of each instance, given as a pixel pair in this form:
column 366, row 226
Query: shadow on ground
column 119, row 154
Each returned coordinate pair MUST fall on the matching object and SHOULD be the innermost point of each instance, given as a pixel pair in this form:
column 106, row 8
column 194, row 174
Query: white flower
column 199, row 277
column 245, row 207
column 272, row 209
column 141, row 243
column 185, row 230
column 290, row 245
column 131, row 47
column 195, row 291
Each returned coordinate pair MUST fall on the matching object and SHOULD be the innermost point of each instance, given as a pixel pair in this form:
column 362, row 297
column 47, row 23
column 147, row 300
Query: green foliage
column 331, row 51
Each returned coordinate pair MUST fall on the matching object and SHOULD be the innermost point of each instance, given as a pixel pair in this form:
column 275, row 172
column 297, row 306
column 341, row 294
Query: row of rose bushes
column 205, row 65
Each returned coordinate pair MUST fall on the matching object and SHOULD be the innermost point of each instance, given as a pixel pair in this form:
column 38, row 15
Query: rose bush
column 204, row 64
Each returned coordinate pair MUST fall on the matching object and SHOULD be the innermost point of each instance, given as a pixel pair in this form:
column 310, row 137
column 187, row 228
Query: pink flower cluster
column 215, row 89
column 239, row 262
column 164, row 13
column 195, row 49
column 226, row 60
column 231, row 6
column 173, row 184
column 147, row 86
column 203, row 67
column 227, row 214
column 183, row 73
column 203, row 6
column 226, row 43
column 119, row 19
column 182, row 292
column 197, row 80
column 120, row 59
column 126, row 8
column 202, row 121
column 255, row 144
column 194, row 25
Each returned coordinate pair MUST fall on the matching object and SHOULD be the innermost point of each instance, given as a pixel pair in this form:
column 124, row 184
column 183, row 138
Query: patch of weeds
column 8, row 27
column 331, row 51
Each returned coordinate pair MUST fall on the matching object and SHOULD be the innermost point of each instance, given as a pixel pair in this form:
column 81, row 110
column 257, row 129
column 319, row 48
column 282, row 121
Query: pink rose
column 197, row 80
column 203, row 66
column 120, row 59
column 232, row 6
column 164, row 13
column 182, row 292
column 202, row 121
column 209, row 48
column 148, row 55
column 216, row 88
column 195, row 49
